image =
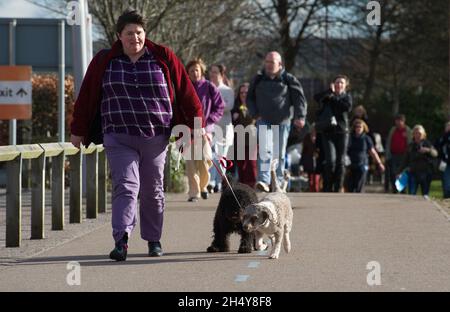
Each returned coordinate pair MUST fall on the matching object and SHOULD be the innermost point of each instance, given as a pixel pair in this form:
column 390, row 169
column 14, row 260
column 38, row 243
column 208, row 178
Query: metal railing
column 38, row 153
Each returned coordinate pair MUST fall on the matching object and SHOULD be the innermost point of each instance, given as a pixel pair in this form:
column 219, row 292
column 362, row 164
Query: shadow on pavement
column 138, row 259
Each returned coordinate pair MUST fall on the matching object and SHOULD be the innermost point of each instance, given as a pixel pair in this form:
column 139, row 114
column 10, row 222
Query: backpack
column 284, row 79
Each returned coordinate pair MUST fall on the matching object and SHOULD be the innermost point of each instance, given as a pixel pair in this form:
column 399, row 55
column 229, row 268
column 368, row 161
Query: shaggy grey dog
column 272, row 216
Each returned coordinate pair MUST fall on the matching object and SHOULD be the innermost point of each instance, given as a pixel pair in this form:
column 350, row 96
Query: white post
column 61, row 82
column 12, row 61
column 80, row 60
column 89, row 41
column 79, row 47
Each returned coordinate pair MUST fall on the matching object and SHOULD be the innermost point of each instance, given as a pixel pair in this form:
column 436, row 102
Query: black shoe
column 216, row 189
column 210, row 188
column 205, row 195
column 193, row 199
column 119, row 253
column 155, row 249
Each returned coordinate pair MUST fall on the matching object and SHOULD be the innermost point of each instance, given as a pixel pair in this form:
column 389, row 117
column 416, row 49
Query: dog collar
column 265, row 223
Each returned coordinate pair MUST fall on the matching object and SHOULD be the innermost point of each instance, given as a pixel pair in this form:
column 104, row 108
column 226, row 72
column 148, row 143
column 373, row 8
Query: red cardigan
column 86, row 116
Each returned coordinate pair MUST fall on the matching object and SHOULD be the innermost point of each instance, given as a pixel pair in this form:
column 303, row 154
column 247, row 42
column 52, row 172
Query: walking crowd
column 338, row 151
column 136, row 92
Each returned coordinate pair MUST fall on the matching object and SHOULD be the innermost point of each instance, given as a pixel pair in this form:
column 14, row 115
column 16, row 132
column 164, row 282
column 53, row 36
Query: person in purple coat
column 197, row 170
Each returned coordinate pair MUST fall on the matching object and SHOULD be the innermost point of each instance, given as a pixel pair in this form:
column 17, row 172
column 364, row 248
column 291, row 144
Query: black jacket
column 443, row 147
column 341, row 106
column 418, row 162
column 276, row 100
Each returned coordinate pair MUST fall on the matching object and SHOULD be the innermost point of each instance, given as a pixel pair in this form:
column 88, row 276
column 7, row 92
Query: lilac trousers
column 137, row 169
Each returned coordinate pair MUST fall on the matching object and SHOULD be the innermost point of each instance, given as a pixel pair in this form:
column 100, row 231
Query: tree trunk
column 374, row 55
column 289, row 58
column 395, row 92
column 285, row 35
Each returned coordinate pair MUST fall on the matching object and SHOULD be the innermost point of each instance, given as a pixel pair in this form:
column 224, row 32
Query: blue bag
column 402, row 182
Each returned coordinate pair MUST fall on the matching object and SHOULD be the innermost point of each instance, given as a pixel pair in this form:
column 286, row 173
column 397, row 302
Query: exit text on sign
column 15, row 92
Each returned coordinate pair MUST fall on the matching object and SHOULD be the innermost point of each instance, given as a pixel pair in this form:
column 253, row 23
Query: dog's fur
column 283, row 186
column 228, row 219
column 272, row 216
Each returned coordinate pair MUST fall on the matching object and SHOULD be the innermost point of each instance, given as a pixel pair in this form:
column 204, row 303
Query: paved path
column 334, row 237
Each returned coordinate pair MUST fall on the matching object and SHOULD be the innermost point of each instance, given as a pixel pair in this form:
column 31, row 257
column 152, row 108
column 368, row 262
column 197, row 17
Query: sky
column 22, row 8
column 26, row 9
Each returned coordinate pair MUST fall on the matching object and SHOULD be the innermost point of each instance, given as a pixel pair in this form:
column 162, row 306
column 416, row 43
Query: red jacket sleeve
column 83, row 110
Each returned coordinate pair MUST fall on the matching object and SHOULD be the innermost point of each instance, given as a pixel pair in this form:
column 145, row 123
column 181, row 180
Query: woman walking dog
column 128, row 96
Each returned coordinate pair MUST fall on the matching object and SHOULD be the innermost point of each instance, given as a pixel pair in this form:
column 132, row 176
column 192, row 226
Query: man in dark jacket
column 275, row 97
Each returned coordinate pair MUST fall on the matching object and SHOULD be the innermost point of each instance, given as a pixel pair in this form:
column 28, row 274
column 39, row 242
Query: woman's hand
column 424, row 150
column 76, row 140
column 333, row 89
column 381, row 167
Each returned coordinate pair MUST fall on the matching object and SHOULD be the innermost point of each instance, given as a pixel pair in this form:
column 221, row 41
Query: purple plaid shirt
column 136, row 97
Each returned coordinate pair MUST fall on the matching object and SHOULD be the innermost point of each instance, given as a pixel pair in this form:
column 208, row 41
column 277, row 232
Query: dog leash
column 222, row 160
column 224, row 176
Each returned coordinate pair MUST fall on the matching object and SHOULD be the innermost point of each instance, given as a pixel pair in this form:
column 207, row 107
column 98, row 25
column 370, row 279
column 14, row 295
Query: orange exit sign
column 15, row 92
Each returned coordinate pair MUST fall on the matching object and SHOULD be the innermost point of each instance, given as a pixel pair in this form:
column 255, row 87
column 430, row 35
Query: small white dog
column 272, row 216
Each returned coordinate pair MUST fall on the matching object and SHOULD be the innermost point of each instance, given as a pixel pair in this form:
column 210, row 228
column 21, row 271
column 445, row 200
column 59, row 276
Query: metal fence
column 59, row 153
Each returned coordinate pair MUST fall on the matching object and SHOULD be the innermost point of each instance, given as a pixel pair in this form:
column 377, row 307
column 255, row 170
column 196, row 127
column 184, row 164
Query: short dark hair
column 341, row 76
column 129, row 17
column 401, row 117
column 345, row 77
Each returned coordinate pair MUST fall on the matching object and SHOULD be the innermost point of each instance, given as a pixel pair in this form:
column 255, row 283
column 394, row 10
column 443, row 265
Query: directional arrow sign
column 21, row 92
column 15, row 92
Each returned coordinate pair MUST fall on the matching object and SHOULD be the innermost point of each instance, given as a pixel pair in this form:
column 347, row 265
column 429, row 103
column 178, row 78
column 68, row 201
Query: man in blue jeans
column 275, row 98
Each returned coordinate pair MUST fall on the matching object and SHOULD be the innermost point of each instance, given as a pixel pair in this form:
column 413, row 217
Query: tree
column 192, row 28
column 396, row 54
column 201, row 28
column 291, row 22
column 106, row 13
column 371, row 40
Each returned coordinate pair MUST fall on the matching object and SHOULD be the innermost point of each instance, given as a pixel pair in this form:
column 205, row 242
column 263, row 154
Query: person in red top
column 127, row 100
column 400, row 136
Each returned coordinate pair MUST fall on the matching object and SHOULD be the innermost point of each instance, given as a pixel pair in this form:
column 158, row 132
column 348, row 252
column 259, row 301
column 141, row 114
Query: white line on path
column 254, row 264
column 241, row 278
column 263, row 253
column 251, row 265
